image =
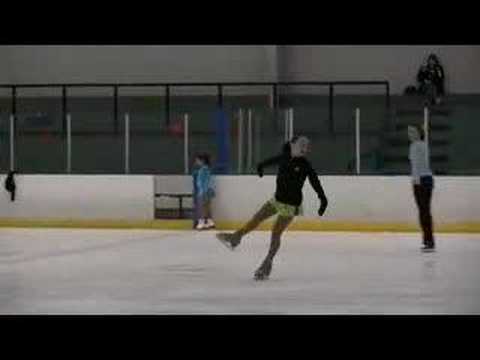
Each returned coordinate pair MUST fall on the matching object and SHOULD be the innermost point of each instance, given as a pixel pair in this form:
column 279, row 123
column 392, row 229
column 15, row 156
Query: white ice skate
column 209, row 224
column 201, row 225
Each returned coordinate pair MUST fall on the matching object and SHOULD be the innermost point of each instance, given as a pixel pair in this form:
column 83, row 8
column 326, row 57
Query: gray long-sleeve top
column 419, row 162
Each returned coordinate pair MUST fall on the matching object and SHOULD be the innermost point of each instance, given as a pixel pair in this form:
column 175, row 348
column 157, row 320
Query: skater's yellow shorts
column 286, row 210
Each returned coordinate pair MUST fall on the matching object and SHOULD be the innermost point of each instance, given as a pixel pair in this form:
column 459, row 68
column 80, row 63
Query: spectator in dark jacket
column 431, row 79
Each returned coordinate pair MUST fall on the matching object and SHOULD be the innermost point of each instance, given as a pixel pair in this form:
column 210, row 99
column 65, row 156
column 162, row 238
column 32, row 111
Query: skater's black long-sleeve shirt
column 291, row 176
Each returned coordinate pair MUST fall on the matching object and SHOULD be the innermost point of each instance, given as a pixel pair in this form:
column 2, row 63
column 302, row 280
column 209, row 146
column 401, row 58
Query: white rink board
column 85, row 197
column 370, row 199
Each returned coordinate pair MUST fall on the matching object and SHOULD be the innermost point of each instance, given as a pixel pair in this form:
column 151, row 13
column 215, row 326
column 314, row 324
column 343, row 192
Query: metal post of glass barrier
column 240, row 141
column 127, row 143
column 68, row 120
column 290, row 124
column 249, row 145
column 286, row 124
column 12, row 142
column 357, row 138
column 426, row 129
column 185, row 142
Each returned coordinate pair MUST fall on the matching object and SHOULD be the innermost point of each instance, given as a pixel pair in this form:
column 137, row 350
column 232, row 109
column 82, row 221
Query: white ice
column 64, row 271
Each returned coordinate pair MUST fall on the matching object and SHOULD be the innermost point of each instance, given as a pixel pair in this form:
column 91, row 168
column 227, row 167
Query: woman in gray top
column 422, row 180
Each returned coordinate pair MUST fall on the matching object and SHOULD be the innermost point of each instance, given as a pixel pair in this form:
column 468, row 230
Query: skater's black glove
column 260, row 170
column 323, row 206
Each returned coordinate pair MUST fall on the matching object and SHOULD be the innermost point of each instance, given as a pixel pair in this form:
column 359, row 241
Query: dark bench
column 180, row 197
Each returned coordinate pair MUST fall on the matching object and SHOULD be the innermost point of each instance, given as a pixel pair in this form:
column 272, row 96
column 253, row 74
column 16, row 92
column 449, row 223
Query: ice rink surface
column 66, row 271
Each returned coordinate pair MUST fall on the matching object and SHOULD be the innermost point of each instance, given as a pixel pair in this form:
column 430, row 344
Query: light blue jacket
column 204, row 181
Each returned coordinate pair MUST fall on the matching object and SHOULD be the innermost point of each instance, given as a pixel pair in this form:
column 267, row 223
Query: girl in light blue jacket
column 204, row 189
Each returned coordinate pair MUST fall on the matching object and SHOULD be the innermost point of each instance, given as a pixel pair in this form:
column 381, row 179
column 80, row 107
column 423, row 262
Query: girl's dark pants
column 423, row 198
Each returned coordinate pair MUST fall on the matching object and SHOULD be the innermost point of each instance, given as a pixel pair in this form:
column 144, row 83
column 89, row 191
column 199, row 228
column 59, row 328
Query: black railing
column 220, row 86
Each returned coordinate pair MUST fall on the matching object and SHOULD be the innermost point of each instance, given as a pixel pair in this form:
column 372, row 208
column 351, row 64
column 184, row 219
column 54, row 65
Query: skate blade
column 260, row 278
column 225, row 243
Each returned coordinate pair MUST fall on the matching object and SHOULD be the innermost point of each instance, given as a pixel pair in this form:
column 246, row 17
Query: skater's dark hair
column 204, row 157
column 286, row 146
column 295, row 138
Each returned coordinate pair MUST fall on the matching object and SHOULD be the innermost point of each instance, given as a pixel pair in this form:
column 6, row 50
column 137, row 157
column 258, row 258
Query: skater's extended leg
column 266, row 211
column 233, row 239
